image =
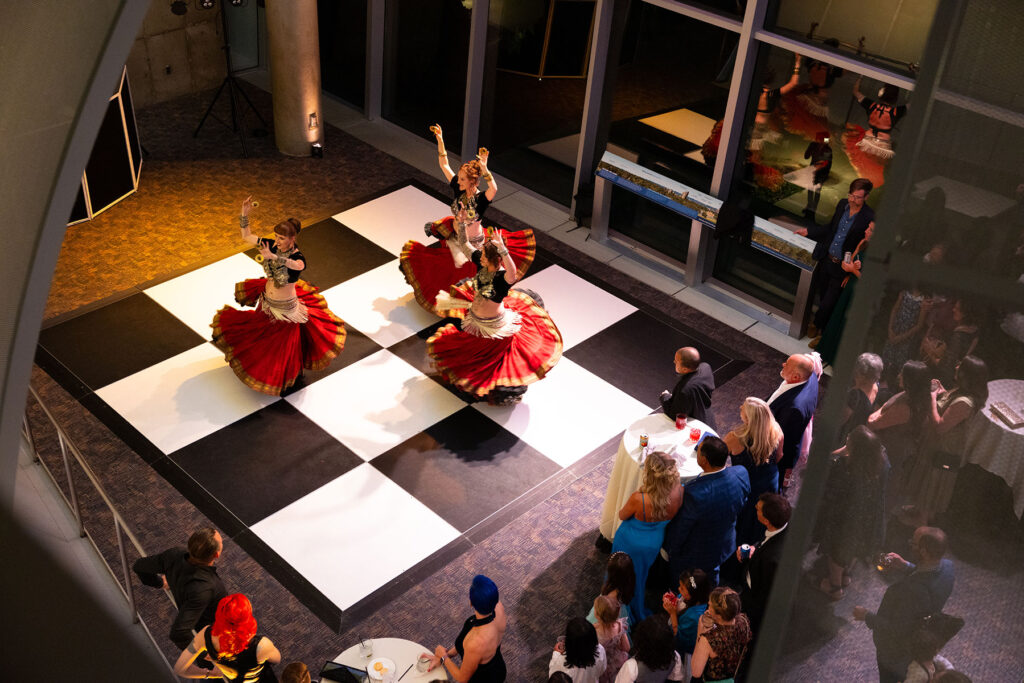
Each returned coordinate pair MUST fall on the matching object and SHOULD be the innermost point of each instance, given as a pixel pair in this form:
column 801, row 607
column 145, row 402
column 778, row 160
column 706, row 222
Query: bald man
column 692, row 394
column 793, row 405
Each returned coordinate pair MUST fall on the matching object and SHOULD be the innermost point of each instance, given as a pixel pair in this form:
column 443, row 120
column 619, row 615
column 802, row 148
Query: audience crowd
column 692, row 566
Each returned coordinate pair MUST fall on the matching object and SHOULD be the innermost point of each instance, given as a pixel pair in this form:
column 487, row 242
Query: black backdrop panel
column 109, row 171
column 133, row 133
column 79, row 212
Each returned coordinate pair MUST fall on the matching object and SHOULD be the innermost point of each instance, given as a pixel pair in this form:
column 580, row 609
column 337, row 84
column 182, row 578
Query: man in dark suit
column 843, row 233
column 703, row 532
column 192, row 578
column 793, row 405
column 692, row 393
column 921, row 592
column 759, row 568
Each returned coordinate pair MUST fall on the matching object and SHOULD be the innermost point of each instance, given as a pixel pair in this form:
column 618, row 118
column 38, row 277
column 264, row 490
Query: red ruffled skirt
column 799, row 119
column 269, row 354
column 868, row 165
column 480, row 365
column 431, row 269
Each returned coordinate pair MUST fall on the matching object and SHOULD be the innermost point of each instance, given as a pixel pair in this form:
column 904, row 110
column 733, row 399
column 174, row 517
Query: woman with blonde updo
column 723, row 637
column 644, row 518
column 434, row 268
column 755, row 445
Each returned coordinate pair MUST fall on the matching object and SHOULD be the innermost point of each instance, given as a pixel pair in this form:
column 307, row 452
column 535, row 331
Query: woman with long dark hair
column 504, row 339
column 435, row 268
column 851, row 524
column 580, row 654
column 654, row 656
column 291, row 327
column 619, row 584
column 901, row 420
column 238, row 653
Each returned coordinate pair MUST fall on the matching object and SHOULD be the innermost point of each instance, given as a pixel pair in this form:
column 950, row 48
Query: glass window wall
column 650, row 224
column 534, row 89
column 426, row 46
column 343, row 49
column 670, row 93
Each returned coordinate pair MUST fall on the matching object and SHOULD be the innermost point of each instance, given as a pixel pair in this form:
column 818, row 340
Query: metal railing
column 121, row 528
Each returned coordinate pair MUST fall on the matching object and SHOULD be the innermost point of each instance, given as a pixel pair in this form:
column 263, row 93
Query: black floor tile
column 118, row 340
column 465, row 467
column 636, row 355
column 265, row 461
column 335, row 253
column 206, row 503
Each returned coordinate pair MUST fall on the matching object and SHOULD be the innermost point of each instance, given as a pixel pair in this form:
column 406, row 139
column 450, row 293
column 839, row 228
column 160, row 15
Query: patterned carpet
column 544, row 562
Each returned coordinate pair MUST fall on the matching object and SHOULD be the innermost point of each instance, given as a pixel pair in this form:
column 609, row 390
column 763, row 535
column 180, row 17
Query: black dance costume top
column 245, row 662
column 490, row 284
column 280, row 274
column 475, row 206
column 822, row 74
column 880, row 109
column 494, row 670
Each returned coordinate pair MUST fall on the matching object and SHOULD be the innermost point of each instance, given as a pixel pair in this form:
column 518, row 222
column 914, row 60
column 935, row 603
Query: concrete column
column 294, row 48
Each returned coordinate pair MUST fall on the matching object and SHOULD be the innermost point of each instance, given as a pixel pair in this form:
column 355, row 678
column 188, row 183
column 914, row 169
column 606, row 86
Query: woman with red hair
column 291, row 327
column 238, row 653
column 435, row 268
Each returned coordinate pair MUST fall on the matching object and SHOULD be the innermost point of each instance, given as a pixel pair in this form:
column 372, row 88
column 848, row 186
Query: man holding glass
column 834, row 241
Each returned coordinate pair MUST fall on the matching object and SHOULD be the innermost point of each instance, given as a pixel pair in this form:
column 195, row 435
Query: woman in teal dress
column 829, row 343
column 644, row 518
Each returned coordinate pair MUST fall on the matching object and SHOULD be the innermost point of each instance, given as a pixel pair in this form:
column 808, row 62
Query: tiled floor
column 372, row 466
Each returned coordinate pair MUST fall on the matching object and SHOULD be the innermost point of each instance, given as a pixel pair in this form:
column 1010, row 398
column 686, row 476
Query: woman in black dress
column 238, row 653
column 479, row 643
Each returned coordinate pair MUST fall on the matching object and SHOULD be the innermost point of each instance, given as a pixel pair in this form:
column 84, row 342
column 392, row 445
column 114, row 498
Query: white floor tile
column 546, row 419
column 184, row 398
column 578, row 308
column 534, row 212
column 195, row 297
column 392, row 220
column 375, row 404
column 649, row 276
column 353, row 535
column 380, row 304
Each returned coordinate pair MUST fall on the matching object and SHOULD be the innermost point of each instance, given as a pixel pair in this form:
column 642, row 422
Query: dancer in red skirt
column 434, row 268
column 290, row 329
column 503, row 340
column 870, row 151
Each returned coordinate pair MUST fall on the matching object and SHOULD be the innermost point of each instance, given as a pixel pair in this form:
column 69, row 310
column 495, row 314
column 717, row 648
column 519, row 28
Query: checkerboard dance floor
column 371, row 474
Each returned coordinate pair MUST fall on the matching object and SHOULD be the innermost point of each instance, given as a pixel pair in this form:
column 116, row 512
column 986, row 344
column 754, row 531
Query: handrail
column 121, row 528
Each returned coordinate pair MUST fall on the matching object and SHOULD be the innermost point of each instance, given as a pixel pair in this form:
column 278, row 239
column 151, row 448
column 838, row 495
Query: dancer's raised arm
column 442, row 156
column 243, row 221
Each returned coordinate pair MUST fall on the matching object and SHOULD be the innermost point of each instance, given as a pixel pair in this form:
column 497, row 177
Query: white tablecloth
column 625, row 478
column 992, row 445
column 965, row 199
column 402, row 652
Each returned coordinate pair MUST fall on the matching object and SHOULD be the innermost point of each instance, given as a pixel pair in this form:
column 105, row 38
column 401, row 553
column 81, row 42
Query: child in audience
column 611, row 634
column 685, row 610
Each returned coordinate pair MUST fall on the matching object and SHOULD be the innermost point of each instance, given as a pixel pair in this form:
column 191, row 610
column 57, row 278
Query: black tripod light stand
column 235, row 95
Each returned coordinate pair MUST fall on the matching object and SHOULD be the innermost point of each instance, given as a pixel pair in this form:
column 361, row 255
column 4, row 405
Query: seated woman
column 755, row 445
column 724, row 635
column 644, row 517
column 654, row 658
column 291, row 328
column 851, row 521
column 479, row 642
column 686, row 609
column 434, row 268
column 932, row 475
column 943, row 350
column 238, row 653
column 504, row 339
column 579, row 654
column 619, row 584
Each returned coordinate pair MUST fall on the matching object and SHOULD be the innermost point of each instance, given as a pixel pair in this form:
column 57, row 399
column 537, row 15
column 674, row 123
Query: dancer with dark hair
column 435, row 268
column 237, row 651
column 871, row 150
column 479, row 642
column 503, row 339
column 291, row 329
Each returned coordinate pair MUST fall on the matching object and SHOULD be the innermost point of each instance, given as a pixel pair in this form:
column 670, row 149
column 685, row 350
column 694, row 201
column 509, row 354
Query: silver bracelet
column 503, row 253
column 281, row 260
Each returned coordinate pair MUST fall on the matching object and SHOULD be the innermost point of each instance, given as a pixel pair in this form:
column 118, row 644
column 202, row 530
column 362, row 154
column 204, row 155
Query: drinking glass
column 366, row 648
